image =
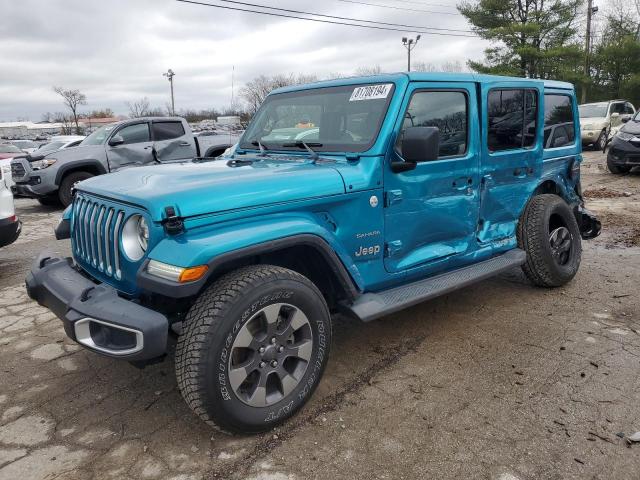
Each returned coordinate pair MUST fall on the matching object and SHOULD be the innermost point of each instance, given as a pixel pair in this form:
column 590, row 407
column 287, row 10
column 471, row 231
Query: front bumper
column 589, row 136
column 624, row 153
column 94, row 315
column 10, row 229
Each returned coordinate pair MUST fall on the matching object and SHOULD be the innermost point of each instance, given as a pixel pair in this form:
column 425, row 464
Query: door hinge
column 392, row 248
column 391, row 197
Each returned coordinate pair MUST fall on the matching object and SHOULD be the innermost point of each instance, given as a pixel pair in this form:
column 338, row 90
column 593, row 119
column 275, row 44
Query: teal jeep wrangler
column 361, row 196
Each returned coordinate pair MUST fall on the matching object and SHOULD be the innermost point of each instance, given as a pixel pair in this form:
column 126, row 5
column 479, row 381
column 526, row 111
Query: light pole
column 587, row 48
column 170, row 74
column 409, row 44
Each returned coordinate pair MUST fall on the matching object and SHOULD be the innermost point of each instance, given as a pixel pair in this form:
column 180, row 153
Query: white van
column 10, row 225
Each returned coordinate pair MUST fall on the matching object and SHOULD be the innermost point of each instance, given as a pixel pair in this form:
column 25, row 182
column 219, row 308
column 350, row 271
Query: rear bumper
column 94, row 315
column 10, row 229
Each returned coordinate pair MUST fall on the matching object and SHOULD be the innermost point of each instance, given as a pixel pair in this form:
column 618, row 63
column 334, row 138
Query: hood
column 81, row 152
column 631, row 127
column 591, row 120
column 212, row 187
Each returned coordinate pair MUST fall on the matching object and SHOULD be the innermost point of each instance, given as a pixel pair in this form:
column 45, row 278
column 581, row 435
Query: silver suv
column 602, row 120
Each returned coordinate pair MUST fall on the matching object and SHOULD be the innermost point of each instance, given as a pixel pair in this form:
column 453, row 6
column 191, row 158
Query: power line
column 426, row 4
column 374, row 27
column 246, row 4
column 398, row 8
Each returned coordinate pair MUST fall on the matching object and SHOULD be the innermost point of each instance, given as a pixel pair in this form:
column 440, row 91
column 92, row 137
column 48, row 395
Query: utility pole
column 170, row 74
column 587, row 48
column 410, row 44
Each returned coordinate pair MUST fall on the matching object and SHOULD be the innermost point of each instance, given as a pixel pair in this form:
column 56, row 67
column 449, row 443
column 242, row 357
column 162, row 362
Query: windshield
column 99, row 136
column 50, row 147
column 24, row 143
column 343, row 119
column 6, row 148
column 593, row 110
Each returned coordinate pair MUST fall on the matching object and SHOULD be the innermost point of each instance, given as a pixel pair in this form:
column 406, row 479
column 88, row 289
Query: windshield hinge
column 173, row 224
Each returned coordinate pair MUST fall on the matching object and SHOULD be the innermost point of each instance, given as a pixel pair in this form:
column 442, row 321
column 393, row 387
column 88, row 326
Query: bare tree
column 139, row 108
column 255, row 91
column 72, row 99
column 450, row 66
column 374, row 70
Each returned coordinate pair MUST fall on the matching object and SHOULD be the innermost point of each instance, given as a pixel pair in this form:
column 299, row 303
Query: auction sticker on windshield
column 371, row 92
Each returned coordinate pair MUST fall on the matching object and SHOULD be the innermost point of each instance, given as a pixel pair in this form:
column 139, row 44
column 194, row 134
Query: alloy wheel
column 270, row 355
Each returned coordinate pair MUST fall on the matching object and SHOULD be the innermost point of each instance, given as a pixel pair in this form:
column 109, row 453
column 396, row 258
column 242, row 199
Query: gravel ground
column 501, row 381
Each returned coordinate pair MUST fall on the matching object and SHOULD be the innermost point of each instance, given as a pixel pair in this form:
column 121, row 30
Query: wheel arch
column 92, row 166
column 216, row 149
column 305, row 253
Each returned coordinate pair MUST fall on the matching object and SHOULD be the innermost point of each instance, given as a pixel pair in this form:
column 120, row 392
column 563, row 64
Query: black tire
column 617, row 169
column 548, row 232
column 49, row 201
column 206, row 350
column 600, row 142
column 68, row 182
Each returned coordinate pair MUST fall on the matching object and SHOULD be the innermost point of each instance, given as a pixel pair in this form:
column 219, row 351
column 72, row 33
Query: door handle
column 462, row 183
column 520, row 172
column 185, row 144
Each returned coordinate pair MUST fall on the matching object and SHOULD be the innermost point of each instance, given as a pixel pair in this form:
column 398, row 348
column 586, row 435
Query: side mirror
column 420, row 144
column 116, row 140
column 625, row 118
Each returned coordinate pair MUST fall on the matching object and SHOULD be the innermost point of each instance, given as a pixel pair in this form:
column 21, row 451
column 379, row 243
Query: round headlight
column 135, row 237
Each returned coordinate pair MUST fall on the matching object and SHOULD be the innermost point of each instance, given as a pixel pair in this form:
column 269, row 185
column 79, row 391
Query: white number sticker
column 371, row 92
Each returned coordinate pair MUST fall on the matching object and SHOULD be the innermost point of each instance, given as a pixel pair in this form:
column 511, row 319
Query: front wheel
column 253, row 348
column 67, row 184
column 548, row 232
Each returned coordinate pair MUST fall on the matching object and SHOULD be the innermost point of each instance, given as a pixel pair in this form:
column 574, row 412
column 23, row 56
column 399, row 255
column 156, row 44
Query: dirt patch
column 604, row 192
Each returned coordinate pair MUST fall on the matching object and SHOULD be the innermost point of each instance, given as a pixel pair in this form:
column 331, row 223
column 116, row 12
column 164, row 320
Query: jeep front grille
column 96, row 234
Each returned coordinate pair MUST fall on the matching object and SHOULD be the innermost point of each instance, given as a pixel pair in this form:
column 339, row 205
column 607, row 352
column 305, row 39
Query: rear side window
column 559, row 128
column 167, row 130
column 512, row 115
column 442, row 109
column 137, row 133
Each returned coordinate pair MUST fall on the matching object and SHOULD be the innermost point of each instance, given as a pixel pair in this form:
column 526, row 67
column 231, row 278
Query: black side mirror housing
column 116, row 140
column 420, row 144
column 625, row 118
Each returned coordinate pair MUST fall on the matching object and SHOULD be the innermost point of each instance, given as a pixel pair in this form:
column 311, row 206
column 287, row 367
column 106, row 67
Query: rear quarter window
column 559, row 129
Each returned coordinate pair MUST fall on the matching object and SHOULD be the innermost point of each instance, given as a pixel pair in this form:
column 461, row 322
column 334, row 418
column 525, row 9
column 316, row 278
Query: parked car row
column 10, row 225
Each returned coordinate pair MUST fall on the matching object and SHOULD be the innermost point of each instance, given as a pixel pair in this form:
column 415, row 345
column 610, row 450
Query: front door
column 136, row 150
column 431, row 212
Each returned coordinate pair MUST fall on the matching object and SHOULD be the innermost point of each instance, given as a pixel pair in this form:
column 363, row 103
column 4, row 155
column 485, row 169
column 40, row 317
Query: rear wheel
column 253, row 348
column 548, row 232
column 67, row 184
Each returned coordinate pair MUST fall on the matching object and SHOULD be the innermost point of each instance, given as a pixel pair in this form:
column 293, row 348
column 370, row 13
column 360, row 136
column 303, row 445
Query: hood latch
column 172, row 223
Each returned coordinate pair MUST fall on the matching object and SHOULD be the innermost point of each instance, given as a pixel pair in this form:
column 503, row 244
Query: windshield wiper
column 301, row 144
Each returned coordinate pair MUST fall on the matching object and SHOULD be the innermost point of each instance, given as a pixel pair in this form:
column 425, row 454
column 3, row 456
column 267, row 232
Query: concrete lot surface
column 497, row 381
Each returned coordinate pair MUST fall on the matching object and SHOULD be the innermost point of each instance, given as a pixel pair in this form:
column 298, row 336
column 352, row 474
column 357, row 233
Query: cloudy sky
column 116, row 51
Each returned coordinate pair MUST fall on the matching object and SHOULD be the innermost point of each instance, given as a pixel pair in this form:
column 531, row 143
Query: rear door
column 135, row 150
column 431, row 212
column 511, row 155
column 172, row 140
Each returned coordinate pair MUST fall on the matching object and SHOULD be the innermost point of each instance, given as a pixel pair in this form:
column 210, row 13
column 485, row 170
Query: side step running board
column 374, row 305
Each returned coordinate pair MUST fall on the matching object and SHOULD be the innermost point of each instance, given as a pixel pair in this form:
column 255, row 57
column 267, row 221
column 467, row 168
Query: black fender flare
column 171, row 289
column 222, row 147
column 77, row 165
